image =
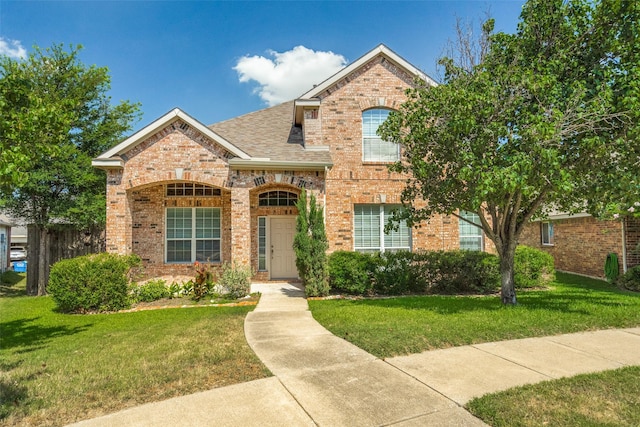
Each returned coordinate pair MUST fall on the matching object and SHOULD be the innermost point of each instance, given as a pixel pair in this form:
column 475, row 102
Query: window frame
column 384, row 212
column 371, row 141
column 193, row 238
column 479, row 235
column 548, row 233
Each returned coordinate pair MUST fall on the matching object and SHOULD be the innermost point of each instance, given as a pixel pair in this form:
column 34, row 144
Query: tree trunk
column 42, row 261
column 508, row 289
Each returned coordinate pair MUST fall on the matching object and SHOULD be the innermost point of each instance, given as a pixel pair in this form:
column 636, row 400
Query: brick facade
column 179, row 149
column 581, row 245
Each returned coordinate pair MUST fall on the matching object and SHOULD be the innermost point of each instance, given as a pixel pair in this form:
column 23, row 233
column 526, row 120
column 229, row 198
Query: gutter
column 268, row 164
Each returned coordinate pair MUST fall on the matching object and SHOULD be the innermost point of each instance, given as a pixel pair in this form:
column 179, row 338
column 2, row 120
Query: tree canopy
column 548, row 120
column 55, row 116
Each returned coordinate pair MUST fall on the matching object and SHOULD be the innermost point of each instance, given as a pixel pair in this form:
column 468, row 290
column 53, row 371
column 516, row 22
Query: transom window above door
column 278, row 198
column 374, row 148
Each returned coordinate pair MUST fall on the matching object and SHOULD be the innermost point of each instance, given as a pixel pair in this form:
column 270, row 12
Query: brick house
column 179, row 191
column 580, row 243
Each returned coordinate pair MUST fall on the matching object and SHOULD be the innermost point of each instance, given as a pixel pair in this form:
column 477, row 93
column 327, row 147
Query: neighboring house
column 580, row 243
column 5, row 239
column 179, row 191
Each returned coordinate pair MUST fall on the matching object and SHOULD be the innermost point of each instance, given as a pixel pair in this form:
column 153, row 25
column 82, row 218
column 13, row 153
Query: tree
column 547, row 120
column 55, row 117
column 310, row 245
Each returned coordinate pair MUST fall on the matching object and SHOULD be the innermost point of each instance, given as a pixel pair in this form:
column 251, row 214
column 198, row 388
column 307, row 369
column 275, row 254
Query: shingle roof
column 269, row 134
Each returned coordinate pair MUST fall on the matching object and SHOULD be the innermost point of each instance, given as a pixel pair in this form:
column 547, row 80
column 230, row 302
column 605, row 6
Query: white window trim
column 382, row 247
column 475, row 236
column 192, row 238
column 378, row 140
column 549, row 235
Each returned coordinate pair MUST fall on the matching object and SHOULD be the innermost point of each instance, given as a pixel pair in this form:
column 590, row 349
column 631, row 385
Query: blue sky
column 193, row 55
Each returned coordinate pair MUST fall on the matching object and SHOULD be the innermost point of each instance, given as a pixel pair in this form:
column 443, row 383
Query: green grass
column 58, row 368
column 405, row 325
column 609, row 398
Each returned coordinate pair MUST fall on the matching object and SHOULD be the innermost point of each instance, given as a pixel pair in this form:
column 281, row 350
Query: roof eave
column 173, row 115
column 268, row 164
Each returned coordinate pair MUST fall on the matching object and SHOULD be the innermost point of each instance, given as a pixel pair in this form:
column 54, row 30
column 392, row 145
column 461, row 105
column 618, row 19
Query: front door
column 283, row 258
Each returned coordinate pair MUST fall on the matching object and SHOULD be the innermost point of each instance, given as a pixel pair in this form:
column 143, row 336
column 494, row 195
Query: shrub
column 310, row 246
column 153, row 290
column 392, row 274
column 631, row 279
column 97, row 282
column 203, row 282
column 236, row 280
column 351, row 272
column 533, row 268
column 456, row 272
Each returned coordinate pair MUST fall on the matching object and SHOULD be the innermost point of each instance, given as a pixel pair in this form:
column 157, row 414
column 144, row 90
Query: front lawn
column 404, row 325
column 607, row 398
column 59, row 368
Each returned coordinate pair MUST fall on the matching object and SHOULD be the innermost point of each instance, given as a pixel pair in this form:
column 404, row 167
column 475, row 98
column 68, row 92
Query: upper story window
column 546, row 230
column 277, row 198
column 374, row 148
column 191, row 189
column 471, row 237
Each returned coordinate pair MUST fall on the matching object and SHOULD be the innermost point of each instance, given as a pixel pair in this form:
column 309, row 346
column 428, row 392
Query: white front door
column 283, row 258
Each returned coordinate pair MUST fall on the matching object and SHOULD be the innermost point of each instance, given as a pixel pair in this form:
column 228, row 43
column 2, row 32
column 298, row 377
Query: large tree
column 55, row 116
column 547, row 120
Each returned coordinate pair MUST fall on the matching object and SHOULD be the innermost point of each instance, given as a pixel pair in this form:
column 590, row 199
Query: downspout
column 624, row 248
column 324, row 196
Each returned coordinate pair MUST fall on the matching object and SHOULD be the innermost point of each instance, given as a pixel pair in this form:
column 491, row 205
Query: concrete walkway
column 321, row 379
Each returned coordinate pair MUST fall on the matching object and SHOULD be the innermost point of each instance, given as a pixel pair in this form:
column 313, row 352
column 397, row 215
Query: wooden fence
column 65, row 242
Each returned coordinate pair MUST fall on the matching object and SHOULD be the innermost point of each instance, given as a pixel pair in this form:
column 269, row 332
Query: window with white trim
column 374, row 148
column 369, row 235
column 546, row 230
column 471, row 237
column 193, row 234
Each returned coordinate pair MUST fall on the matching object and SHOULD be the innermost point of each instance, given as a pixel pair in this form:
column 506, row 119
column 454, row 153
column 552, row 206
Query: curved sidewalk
column 323, row 380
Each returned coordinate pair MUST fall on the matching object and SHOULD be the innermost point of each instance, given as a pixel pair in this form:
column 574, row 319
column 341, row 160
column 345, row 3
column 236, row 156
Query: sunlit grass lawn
column 405, row 325
column 609, row 398
column 59, row 368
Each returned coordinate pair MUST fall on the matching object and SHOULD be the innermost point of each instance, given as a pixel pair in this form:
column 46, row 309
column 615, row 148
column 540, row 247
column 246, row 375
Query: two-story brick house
column 179, row 191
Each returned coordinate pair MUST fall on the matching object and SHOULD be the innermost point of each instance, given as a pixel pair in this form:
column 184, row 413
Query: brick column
column 240, row 226
column 118, row 230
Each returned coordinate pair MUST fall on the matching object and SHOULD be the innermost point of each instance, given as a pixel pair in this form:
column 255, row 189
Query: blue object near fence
column 20, row 266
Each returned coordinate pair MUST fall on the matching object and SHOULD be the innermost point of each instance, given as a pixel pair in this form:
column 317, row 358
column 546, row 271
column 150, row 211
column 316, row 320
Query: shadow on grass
column 575, row 294
column 27, row 335
column 12, row 394
column 8, row 282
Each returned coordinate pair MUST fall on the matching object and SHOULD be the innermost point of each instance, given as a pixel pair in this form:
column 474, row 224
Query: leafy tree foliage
column 310, row 245
column 547, row 120
column 55, row 116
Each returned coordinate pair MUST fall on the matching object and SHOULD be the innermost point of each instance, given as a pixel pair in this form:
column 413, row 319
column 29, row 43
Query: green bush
column 153, row 290
column 455, row 272
column 393, row 273
column 351, row 272
column 236, row 280
column 97, row 282
column 533, row 268
column 631, row 279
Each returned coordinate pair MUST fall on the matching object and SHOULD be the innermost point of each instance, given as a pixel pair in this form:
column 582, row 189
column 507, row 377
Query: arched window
column 374, row 148
column 277, row 198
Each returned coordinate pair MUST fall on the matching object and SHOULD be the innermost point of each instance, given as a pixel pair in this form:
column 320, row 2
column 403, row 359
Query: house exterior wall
column 632, row 241
column 379, row 84
column 581, row 245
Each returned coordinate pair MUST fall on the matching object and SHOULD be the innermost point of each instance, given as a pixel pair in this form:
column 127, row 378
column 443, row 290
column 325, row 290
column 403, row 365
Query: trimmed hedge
column 533, row 268
column 401, row 273
column 96, row 282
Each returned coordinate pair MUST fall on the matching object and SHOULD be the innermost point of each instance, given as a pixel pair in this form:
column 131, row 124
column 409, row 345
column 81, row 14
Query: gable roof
column 111, row 158
column 381, row 49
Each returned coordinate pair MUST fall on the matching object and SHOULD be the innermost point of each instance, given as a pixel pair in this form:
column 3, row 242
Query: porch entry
column 283, row 258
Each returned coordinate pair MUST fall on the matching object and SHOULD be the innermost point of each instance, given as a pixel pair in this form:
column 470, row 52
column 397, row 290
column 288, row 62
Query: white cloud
column 289, row 74
column 12, row 48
